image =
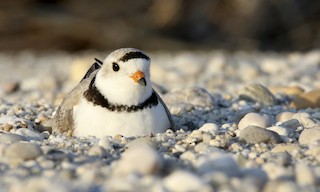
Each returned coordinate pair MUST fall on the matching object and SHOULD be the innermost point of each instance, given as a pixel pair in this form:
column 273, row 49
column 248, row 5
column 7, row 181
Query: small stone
column 304, row 174
column 258, row 176
column 10, row 87
column 105, row 143
column 281, row 186
column 280, row 130
column 206, row 137
column 291, row 124
column 139, row 142
column 191, row 182
column 309, row 136
column 97, row 150
column 201, row 147
column 8, row 138
column 188, row 155
column 23, row 151
column 180, row 148
column 253, row 134
column 257, row 93
column 194, row 96
column 6, row 127
column 29, row 134
column 305, row 119
column 289, row 148
column 131, row 162
column 284, row 116
column 291, row 91
column 307, row 100
column 254, row 119
column 217, row 163
column 210, row 128
column 314, row 152
column 215, row 143
column 196, row 134
column 275, row 171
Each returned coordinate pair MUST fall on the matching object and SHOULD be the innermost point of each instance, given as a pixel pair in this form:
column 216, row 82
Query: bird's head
column 124, row 77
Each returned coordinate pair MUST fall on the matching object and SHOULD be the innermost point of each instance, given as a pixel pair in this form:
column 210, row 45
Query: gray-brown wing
column 63, row 119
column 167, row 111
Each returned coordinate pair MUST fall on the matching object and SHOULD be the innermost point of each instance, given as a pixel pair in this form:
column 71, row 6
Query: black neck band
column 93, row 95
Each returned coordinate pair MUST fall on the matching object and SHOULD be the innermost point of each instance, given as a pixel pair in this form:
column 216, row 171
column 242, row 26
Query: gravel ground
column 239, row 126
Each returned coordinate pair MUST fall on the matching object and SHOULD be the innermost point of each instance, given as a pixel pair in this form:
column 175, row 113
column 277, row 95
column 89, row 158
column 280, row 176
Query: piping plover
column 114, row 97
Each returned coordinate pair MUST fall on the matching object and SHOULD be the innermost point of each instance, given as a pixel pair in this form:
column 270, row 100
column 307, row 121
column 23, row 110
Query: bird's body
column 115, row 99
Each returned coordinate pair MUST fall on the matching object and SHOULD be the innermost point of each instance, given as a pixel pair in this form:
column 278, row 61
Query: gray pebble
column 194, row 96
column 253, row 134
column 7, row 138
column 30, row 134
column 257, row 93
column 291, row 123
column 23, row 151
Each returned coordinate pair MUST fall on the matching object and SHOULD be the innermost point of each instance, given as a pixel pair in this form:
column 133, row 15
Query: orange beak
column 138, row 77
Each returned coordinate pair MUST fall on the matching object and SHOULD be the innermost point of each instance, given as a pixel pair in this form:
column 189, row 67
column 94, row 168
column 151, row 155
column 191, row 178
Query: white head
column 124, row 77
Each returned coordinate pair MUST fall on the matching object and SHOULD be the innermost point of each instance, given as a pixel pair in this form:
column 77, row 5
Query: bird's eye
column 115, row 67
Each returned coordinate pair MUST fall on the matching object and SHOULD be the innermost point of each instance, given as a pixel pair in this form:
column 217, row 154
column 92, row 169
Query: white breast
column 97, row 121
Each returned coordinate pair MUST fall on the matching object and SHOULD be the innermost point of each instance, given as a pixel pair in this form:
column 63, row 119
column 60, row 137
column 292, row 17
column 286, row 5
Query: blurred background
column 75, row 25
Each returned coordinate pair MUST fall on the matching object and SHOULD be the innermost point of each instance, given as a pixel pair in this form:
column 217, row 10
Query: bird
column 115, row 97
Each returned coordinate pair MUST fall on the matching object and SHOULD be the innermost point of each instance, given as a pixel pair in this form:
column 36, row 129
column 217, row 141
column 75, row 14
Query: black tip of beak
column 142, row 82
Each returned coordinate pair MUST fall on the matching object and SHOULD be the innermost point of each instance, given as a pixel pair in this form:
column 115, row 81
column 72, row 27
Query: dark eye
column 115, row 66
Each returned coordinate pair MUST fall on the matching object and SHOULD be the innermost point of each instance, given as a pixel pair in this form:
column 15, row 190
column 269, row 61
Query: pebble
column 309, row 136
column 188, row 155
column 306, row 120
column 281, row 186
column 292, row 91
column 8, row 138
column 97, row 150
column 275, row 171
column 105, row 143
column 217, row 163
column 304, row 174
column 191, row 182
column 210, row 128
column 6, row 127
column 131, row 162
column 284, row 116
column 194, row 96
column 307, row 100
column 253, row 134
column 289, row 148
column 23, row 151
column 29, row 134
column 254, row 119
column 291, row 124
column 280, row 130
column 257, row 93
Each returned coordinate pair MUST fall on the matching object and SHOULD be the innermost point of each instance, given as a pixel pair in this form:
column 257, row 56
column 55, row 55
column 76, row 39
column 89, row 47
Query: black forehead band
column 134, row 55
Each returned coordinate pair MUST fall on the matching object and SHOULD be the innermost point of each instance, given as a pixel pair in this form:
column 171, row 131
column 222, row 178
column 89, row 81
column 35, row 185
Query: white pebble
column 143, row 160
column 309, row 136
column 184, row 181
column 210, row 128
column 254, row 119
